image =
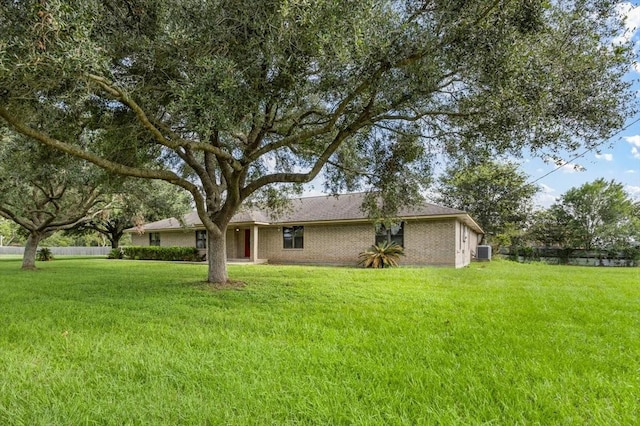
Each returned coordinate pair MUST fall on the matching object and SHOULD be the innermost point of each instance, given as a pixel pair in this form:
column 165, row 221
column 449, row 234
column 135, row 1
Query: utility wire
column 585, row 152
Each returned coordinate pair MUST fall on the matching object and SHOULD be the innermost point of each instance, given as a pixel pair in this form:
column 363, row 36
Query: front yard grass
column 86, row 341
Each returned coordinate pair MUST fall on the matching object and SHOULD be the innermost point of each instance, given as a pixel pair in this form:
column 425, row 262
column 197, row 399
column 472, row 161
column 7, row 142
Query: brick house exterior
column 328, row 230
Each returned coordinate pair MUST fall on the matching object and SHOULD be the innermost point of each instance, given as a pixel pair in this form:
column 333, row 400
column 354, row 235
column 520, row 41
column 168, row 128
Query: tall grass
column 121, row 342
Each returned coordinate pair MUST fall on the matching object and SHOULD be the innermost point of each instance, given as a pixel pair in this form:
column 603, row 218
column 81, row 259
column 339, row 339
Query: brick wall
column 426, row 242
column 184, row 238
column 178, row 238
column 140, row 239
column 339, row 244
column 430, row 242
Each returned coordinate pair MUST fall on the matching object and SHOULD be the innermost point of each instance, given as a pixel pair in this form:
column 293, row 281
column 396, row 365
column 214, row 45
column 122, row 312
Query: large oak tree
column 233, row 97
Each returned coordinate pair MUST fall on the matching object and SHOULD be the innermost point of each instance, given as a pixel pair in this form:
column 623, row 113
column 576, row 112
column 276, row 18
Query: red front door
column 247, row 243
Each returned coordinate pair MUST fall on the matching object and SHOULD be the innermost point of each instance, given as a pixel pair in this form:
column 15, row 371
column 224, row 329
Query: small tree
column 136, row 202
column 8, row 232
column 495, row 194
column 549, row 228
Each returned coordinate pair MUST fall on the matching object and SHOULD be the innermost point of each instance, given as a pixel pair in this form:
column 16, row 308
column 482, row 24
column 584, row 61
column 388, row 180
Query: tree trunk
column 114, row 239
column 30, row 250
column 217, row 255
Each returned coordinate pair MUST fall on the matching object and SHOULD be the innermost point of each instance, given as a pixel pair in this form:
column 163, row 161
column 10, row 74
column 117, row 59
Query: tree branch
column 328, row 127
column 12, row 216
column 111, row 166
column 153, row 129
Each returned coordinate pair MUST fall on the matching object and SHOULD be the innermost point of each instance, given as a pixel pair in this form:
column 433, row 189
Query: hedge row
column 189, row 254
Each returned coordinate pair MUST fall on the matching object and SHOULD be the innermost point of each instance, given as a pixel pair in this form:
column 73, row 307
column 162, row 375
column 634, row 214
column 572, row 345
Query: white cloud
column 571, row 168
column 630, row 171
column 545, row 197
column 546, row 189
column 635, row 152
column 634, row 191
column 606, row 157
column 633, row 140
column 545, row 200
column 631, row 14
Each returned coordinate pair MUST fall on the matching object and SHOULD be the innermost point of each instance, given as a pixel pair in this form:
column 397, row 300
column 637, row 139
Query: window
column 293, row 237
column 393, row 234
column 201, row 239
column 154, row 238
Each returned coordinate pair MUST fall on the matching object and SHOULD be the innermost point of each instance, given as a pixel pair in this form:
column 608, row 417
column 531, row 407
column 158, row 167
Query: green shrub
column 116, row 253
column 513, row 253
column 381, row 255
column 631, row 255
column 529, row 253
column 189, row 254
column 44, row 255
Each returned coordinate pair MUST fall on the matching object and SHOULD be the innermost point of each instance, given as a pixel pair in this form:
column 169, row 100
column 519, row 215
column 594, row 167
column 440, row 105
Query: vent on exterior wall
column 484, row 252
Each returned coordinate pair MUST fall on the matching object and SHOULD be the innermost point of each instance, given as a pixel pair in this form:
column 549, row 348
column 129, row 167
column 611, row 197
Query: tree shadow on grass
column 229, row 285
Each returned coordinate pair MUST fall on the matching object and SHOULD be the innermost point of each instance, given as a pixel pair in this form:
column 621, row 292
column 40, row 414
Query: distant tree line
column 49, row 198
column 599, row 217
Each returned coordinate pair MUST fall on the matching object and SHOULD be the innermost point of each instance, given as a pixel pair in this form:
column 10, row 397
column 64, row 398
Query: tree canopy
column 8, row 232
column 44, row 191
column 229, row 98
column 599, row 215
column 135, row 202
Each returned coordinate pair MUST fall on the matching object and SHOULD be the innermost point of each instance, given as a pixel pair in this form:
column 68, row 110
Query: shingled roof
column 325, row 208
column 347, row 207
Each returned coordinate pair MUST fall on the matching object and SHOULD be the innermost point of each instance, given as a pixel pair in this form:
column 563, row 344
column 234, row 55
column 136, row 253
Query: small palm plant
column 44, row 255
column 381, row 255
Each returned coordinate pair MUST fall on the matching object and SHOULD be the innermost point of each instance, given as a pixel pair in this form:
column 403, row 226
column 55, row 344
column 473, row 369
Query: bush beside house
column 187, row 254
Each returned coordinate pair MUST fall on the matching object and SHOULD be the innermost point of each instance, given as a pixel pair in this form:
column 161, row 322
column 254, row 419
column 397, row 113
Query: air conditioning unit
column 484, row 253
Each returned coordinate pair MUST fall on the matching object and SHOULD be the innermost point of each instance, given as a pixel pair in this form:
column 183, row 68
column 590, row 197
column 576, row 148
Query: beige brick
column 438, row 242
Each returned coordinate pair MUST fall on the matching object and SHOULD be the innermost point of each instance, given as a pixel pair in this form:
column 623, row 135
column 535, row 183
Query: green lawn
column 92, row 341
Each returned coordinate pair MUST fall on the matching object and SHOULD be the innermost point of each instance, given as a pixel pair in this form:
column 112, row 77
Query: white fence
column 63, row 251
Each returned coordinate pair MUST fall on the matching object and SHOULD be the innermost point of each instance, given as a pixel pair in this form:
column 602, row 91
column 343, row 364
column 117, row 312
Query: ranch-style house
column 328, row 230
